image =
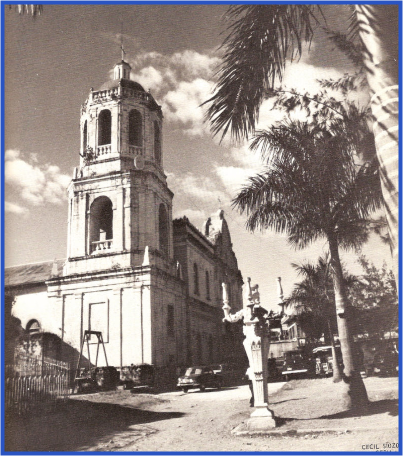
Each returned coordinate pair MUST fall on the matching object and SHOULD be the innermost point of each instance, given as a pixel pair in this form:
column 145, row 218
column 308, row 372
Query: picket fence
column 35, row 382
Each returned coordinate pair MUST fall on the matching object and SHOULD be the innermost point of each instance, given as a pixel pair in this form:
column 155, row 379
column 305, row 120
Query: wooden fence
column 34, row 382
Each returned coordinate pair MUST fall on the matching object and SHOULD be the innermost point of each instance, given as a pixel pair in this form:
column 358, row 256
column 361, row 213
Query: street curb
column 241, row 430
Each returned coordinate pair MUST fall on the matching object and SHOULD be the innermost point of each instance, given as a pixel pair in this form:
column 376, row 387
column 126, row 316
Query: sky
column 53, row 60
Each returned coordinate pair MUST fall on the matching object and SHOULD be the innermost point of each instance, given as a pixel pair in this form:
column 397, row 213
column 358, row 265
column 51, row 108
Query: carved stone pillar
column 256, row 344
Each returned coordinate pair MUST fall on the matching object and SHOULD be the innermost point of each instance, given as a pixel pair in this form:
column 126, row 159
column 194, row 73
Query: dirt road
column 196, row 421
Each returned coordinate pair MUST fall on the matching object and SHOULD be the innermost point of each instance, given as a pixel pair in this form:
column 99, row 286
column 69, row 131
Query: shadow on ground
column 74, row 426
column 390, row 406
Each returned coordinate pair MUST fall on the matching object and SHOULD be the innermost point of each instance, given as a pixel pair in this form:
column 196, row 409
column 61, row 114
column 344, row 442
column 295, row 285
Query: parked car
column 386, row 362
column 297, row 364
column 106, row 377
column 140, row 375
column 324, row 360
column 201, row 377
column 273, row 373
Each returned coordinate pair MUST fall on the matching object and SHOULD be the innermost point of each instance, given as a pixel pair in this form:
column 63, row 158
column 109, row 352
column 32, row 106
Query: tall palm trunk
column 355, row 395
column 336, row 364
column 379, row 31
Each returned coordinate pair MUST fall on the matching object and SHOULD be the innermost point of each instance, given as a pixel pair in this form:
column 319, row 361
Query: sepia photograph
column 201, row 227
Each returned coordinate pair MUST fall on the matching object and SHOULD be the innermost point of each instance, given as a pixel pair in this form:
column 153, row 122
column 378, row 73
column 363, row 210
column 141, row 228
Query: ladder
column 86, row 340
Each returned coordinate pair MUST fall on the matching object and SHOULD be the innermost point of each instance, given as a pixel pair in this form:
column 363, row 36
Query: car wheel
column 202, row 388
column 185, row 390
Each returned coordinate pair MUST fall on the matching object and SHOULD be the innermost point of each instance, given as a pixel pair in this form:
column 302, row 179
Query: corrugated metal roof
column 32, row 273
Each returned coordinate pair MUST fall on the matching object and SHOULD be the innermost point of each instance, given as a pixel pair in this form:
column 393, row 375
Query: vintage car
column 324, row 360
column 201, row 377
column 137, row 376
column 297, row 364
column 386, row 362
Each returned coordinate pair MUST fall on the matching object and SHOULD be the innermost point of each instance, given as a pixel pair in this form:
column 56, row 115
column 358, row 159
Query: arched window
column 104, row 127
column 135, row 128
column 157, row 143
column 33, row 327
column 85, row 137
column 207, row 285
column 163, row 229
column 196, row 278
column 101, row 224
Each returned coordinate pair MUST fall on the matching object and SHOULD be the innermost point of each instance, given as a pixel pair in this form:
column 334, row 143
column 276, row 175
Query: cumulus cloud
column 234, row 178
column 15, row 208
column 37, row 184
column 183, row 105
column 181, row 82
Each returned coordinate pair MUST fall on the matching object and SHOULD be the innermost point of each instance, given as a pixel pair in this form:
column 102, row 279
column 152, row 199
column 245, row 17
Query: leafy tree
column 375, row 301
column 312, row 188
column 261, row 38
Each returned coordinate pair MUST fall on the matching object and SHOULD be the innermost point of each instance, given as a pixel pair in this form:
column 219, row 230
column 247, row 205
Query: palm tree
column 259, row 41
column 312, row 188
column 313, row 300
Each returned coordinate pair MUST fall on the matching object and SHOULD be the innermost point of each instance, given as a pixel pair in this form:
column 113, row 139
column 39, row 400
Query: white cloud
column 15, row 208
column 150, row 78
column 233, row 178
column 183, row 105
column 181, row 82
column 37, row 184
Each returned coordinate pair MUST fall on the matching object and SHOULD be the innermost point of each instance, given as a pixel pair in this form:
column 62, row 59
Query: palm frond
column 260, row 39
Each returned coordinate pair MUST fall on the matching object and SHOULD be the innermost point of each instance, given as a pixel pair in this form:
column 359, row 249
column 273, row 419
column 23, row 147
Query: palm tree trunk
column 336, row 365
column 355, row 395
column 379, row 31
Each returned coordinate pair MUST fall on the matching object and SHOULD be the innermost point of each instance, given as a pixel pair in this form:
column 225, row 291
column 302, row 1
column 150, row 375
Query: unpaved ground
column 121, row 421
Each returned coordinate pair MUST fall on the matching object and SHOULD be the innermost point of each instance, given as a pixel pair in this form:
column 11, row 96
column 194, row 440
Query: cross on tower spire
column 121, row 43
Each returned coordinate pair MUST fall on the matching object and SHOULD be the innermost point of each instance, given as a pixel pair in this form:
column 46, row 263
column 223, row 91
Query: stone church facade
column 150, row 284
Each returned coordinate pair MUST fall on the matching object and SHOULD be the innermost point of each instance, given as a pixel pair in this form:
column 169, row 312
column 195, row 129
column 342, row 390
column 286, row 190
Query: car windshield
column 193, row 371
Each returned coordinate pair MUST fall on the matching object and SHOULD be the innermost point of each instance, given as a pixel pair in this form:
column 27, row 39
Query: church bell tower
column 119, row 201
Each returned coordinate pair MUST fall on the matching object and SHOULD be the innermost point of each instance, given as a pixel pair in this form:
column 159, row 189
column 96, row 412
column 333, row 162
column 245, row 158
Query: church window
column 135, row 128
column 85, row 137
column 101, row 224
column 33, row 327
column 104, row 127
column 163, row 229
column 171, row 321
column 207, row 285
column 196, row 278
column 157, row 142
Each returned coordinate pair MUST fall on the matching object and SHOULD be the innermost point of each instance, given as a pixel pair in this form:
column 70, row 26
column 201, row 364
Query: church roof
column 33, row 273
column 128, row 83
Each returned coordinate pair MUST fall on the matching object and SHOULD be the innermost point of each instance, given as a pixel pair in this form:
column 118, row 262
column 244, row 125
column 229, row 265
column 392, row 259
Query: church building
column 150, row 284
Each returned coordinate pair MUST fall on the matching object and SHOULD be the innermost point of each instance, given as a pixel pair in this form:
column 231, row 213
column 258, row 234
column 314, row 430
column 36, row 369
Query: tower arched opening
column 101, row 224
column 85, row 136
column 157, row 143
column 104, row 127
column 163, row 229
column 135, row 128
